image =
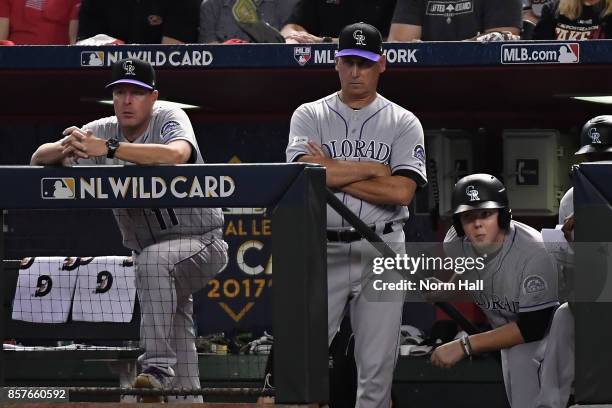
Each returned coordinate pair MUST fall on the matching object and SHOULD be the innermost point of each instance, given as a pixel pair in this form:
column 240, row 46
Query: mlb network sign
column 549, row 53
column 70, row 188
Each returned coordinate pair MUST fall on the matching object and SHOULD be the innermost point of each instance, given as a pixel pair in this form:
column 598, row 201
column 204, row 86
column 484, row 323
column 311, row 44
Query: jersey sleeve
column 502, row 13
column 175, row 125
column 409, row 12
column 408, row 150
column 538, row 286
column 301, row 130
column 209, row 15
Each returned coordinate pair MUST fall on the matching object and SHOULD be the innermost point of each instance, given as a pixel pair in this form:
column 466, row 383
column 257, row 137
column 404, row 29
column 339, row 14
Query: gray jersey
column 383, row 132
column 521, row 277
column 142, row 227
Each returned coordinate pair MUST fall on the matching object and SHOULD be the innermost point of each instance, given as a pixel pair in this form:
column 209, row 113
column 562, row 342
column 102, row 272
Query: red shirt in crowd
column 39, row 21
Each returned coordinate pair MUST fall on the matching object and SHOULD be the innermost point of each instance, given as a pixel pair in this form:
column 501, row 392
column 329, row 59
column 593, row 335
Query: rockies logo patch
column 534, row 284
column 169, row 127
column 419, row 153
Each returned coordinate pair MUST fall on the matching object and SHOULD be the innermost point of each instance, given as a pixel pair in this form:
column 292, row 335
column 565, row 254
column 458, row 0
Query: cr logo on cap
column 358, row 35
column 594, row 135
column 129, row 67
column 472, row 193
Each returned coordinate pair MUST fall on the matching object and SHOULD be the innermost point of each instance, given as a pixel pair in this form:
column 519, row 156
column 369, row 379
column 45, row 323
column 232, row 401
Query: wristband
column 466, row 346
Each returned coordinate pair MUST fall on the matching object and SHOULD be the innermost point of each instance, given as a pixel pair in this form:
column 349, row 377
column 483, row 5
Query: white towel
column 106, row 290
column 44, row 291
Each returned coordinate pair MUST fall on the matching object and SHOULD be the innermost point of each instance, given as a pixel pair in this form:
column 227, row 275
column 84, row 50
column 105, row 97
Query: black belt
column 351, row 235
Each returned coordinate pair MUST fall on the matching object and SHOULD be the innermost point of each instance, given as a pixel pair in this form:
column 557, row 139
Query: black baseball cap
column 133, row 71
column 361, row 40
column 596, row 136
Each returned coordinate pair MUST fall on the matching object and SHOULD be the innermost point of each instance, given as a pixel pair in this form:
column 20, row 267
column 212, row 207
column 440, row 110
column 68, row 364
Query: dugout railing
column 294, row 195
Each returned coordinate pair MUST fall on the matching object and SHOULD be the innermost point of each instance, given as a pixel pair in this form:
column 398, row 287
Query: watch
column 112, row 145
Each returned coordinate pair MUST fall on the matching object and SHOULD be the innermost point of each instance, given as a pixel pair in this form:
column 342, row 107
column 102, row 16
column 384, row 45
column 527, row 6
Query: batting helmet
column 480, row 191
column 596, row 136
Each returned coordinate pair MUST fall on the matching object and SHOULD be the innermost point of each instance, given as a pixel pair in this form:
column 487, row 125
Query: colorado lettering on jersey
column 495, row 302
column 359, row 149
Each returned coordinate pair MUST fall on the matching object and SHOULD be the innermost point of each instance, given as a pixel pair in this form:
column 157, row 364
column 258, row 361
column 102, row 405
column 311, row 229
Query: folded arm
column 386, row 190
column 340, row 173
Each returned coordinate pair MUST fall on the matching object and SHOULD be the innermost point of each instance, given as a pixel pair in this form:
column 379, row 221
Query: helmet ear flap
column 458, row 227
column 504, row 217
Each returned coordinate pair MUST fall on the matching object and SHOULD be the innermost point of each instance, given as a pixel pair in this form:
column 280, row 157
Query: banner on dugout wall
column 240, row 296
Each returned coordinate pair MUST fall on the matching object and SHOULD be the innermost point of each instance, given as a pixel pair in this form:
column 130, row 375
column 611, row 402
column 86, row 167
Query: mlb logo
column 302, row 55
column 92, row 58
column 57, row 188
column 569, row 53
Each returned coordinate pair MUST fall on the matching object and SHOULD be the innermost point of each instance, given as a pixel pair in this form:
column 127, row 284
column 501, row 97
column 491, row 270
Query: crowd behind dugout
column 98, row 22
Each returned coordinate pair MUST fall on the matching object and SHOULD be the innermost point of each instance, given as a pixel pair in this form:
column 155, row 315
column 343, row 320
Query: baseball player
column 556, row 355
column 519, row 281
column 176, row 251
column 375, row 158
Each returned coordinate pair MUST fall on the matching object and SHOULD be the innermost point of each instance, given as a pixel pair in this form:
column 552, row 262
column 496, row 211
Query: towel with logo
column 105, row 290
column 44, row 291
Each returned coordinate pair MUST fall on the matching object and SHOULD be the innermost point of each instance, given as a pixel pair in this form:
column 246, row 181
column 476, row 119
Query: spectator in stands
column 141, row 21
column 223, row 20
column 572, row 20
column 39, row 22
column 424, row 20
column 315, row 21
column 532, row 10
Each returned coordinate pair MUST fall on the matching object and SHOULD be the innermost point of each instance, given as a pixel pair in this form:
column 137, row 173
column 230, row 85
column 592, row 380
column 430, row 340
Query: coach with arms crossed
column 374, row 155
column 176, row 251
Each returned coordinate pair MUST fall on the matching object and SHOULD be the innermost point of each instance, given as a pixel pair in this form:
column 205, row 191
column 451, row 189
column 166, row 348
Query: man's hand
column 83, row 144
column 447, row 355
column 301, row 37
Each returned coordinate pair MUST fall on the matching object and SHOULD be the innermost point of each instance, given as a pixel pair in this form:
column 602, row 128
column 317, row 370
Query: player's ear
column 337, row 60
column 382, row 63
column 155, row 94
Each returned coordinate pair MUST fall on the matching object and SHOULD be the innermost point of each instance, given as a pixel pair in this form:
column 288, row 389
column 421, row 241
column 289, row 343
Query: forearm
column 289, row 28
column 505, row 336
column 170, row 40
column 149, row 154
column 48, row 153
column 404, row 32
column 73, row 29
column 340, row 173
column 388, row 190
column 4, row 28
column 513, row 30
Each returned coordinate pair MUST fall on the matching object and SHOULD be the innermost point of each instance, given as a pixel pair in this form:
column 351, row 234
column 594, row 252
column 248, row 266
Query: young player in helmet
column 519, row 281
